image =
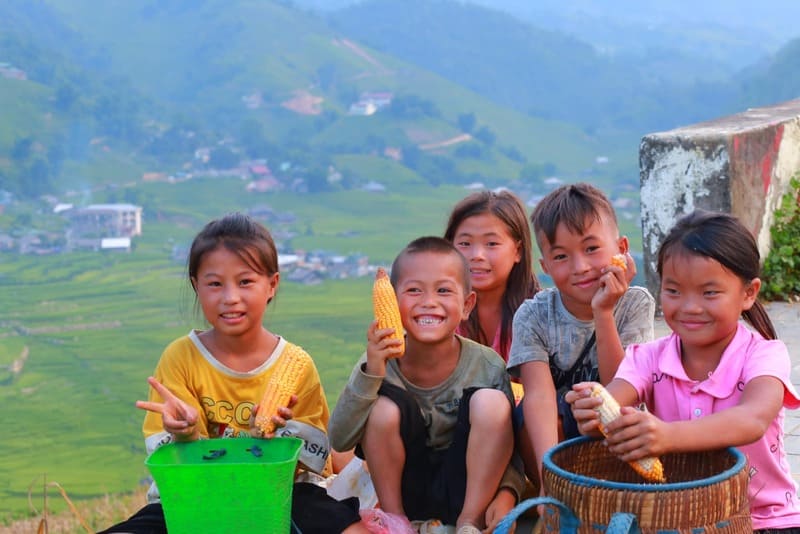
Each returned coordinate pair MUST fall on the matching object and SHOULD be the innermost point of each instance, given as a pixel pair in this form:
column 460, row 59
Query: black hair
column 240, row 234
column 572, row 205
column 522, row 282
column 436, row 245
column 723, row 238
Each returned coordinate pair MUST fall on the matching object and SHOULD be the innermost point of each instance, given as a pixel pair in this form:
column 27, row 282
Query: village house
column 7, row 70
column 98, row 221
column 370, row 102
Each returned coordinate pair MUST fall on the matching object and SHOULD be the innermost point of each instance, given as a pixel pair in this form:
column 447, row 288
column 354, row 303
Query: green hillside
column 182, row 72
column 93, row 325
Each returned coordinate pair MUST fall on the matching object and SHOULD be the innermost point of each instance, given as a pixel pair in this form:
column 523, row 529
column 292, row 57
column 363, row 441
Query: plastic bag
column 380, row 522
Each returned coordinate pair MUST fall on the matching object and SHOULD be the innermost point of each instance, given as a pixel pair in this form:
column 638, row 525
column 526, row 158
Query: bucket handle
column 621, row 523
column 569, row 523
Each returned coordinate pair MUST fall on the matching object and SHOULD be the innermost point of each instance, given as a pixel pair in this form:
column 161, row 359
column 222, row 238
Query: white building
column 107, row 220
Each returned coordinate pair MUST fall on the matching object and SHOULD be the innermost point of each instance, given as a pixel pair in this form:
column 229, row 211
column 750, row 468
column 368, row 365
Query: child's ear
column 469, row 303
column 623, row 244
column 193, row 280
column 273, row 286
column 543, row 266
column 751, row 293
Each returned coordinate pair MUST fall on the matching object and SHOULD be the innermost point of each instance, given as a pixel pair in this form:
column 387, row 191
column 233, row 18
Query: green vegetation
column 781, row 272
column 88, row 328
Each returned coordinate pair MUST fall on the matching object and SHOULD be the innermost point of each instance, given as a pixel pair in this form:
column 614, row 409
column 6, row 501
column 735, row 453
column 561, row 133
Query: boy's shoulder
column 480, row 354
column 636, row 297
column 543, row 304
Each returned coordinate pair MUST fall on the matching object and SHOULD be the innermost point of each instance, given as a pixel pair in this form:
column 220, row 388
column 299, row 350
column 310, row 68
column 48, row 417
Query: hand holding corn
column 650, row 469
column 618, row 260
column 285, row 382
column 385, row 307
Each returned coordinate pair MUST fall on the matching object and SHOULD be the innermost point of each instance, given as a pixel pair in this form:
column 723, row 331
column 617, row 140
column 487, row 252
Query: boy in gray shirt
column 433, row 422
column 579, row 329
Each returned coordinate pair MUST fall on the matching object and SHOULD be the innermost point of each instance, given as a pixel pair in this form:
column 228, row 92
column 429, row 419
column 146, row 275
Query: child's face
column 702, row 301
column 490, row 250
column 575, row 261
column 431, row 296
column 233, row 296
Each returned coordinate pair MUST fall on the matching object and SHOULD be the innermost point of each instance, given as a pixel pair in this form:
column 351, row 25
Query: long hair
column 522, row 282
column 723, row 238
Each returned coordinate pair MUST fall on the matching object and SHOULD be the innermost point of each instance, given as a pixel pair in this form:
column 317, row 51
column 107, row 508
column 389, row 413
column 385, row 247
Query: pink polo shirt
column 655, row 370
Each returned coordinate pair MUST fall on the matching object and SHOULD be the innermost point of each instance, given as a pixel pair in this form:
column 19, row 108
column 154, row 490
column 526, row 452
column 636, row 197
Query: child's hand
column 637, row 434
column 177, row 417
column 283, row 415
column 502, row 503
column 613, row 284
column 380, row 348
column 584, row 407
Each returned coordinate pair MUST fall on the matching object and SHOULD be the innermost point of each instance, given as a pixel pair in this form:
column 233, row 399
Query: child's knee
column 384, row 416
column 489, row 405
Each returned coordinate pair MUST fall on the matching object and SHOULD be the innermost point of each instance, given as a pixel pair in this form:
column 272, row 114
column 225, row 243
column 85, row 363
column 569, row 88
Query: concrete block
column 740, row 164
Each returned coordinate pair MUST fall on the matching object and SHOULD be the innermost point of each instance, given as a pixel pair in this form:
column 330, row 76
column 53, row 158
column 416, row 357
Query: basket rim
column 583, row 480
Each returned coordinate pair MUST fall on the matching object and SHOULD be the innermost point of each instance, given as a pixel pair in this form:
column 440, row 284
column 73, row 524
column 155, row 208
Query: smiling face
column 575, row 261
column 702, row 302
column 490, row 250
column 432, row 296
column 232, row 295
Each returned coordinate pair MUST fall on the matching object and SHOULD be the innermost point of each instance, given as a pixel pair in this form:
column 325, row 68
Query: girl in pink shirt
column 491, row 230
column 713, row 382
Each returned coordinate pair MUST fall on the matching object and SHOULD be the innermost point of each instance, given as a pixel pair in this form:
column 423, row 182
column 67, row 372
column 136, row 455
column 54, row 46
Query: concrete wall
column 739, row 164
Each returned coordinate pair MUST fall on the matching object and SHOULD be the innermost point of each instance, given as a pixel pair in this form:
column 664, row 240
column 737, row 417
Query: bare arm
column 639, row 434
column 613, row 285
column 540, row 410
column 584, row 406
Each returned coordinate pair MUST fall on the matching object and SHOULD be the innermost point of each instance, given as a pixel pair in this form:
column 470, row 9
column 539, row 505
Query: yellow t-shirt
column 225, row 398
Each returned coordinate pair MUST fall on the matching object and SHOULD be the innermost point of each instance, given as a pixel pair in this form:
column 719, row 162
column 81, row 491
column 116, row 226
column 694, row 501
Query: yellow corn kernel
column 650, row 469
column 619, row 260
column 284, row 382
column 384, row 303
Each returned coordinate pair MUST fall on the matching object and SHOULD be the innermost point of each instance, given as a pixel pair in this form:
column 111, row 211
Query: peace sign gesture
column 178, row 418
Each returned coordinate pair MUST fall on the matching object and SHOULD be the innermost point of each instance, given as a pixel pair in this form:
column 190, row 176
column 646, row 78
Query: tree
column 466, row 121
column 223, row 158
column 65, row 98
column 411, row 156
column 38, row 179
column 485, row 135
column 21, row 150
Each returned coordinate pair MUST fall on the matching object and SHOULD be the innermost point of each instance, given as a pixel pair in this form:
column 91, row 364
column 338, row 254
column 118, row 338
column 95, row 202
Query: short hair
column 435, row 245
column 571, row 205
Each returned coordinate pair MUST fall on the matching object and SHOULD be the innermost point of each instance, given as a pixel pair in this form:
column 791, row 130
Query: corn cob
column 619, row 260
column 384, row 303
column 284, row 382
column 650, row 469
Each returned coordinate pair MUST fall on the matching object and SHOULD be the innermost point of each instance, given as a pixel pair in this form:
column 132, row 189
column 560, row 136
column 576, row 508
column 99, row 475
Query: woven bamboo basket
column 704, row 492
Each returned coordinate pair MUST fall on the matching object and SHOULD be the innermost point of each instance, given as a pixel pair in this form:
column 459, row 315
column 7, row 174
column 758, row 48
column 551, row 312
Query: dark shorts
column 313, row 512
column 434, row 481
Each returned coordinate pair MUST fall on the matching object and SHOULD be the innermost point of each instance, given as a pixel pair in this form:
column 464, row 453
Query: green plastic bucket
column 226, row 485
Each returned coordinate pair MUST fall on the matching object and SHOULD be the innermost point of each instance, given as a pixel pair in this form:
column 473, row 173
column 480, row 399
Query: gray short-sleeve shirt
column 543, row 329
